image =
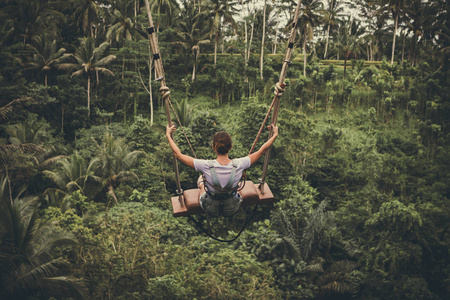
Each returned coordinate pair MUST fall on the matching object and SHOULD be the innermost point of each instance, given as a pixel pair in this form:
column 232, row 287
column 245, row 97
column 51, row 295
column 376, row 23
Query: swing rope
column 280, row 89
column 164, row 90
column 200, row 226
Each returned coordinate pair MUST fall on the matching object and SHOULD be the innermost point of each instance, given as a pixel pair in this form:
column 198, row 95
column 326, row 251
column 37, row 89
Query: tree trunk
column 150, row 62
column 261, row 59
column 403, row 50
column 371, row 51
column 345, row 64
column 246, row 36
column 62, row 117
column 216, row 41
column 46, row 79
column 326, row 43
column 111, row 193
column 412, row 57
column 125, row 110
column 275, row 38
column 395, row 33
column 250, row 43
column 193, row 69
column 304, row 55
column 123, row 66
column 89, row 95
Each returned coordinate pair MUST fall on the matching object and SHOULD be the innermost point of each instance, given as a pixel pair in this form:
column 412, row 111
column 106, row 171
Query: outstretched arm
column 186, row 159
column 257, row 155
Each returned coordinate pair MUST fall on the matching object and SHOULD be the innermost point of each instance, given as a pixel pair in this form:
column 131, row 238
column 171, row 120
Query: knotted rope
column 165, row 92
column 279, row 89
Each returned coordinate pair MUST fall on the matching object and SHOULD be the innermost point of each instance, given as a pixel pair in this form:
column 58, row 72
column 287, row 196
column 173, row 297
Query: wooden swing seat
column 251, row 195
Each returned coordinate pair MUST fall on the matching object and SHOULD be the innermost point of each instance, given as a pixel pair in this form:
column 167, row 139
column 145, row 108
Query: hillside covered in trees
column 360, row 170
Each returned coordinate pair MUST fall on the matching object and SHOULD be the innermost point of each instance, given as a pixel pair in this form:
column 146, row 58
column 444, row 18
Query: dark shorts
column 213, row 207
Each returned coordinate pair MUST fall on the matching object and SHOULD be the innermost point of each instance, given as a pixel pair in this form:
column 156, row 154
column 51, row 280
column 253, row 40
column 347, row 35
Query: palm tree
column 438, row 30
column 416, row 19
column 334, row 7
column 32, row 17
column 221, row 12
column 374, row 27
column 347, row 40
column 46, row 54
column 23, row 133
column 394, row 6
column 87, row 13
column 336, row 280
column 28, row 263
column 166, row 7
column 14, row 155
column 115, row 162
column 261, row 59
column 314, row 231
column 6, row 34
column 71, row 174
column 123, row 27
column 56, row 198
column 90, row 61
column 184, row 111
column 192, row 32
column 312, row 15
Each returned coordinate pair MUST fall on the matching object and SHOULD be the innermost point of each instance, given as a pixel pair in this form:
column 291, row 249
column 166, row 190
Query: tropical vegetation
column 360, row 171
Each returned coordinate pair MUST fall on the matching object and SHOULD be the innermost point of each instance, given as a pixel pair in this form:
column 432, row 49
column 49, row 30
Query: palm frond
column 106, row 60
column 78, row 73
column 67, row 66
column 23, row 148
column 65, row 285
column 5, row 110
column 52, row 160
column 125, row 176
column 313, row 232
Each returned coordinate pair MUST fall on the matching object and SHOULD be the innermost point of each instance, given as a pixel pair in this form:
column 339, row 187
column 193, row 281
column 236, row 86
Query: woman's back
column 223, row 171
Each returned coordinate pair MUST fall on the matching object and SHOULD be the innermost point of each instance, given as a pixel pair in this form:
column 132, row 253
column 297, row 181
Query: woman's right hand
column 170, row 129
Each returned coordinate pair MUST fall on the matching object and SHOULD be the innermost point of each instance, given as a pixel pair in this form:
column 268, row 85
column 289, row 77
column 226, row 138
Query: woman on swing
column 220, row 176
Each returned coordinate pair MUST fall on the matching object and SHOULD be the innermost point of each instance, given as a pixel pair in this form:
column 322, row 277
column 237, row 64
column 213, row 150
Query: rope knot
column 164, row 90
column 279, row 89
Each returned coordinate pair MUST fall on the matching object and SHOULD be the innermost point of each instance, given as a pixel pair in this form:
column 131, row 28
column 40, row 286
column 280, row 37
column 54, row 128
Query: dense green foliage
column 360, row 170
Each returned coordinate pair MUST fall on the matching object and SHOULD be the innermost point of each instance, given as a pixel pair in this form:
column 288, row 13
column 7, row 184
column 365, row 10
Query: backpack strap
column 229, row 185
column 215, row 178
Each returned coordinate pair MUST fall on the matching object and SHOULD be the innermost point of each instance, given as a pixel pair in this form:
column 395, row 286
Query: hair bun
column 222, row 142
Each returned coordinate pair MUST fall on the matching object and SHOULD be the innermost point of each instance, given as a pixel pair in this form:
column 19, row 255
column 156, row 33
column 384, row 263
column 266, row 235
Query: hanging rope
column 200, row 226
column 279, row 89
column 164, row 90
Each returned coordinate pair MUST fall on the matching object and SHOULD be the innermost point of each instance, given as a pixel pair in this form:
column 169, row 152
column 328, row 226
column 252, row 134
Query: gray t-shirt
column 223, row 172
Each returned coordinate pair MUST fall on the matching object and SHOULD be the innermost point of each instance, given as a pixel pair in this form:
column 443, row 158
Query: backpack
column 224, row 201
